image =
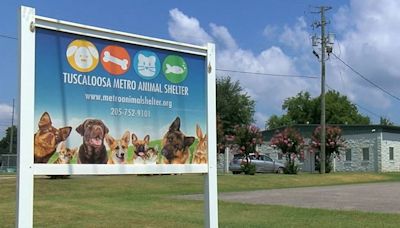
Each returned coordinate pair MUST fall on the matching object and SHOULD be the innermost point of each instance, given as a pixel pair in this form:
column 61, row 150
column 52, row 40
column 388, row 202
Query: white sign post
column 27, row 169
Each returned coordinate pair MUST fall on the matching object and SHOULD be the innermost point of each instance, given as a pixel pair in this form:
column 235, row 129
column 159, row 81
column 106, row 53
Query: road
column 373, row 197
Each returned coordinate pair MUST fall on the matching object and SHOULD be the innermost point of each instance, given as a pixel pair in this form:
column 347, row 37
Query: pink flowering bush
column 247, row 137
column 333, row 145
column 291, row 143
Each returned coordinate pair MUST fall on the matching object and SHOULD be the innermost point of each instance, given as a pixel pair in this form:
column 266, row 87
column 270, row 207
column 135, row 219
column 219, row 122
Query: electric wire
column 366, row 79
column 268, row 74
column 8, row 37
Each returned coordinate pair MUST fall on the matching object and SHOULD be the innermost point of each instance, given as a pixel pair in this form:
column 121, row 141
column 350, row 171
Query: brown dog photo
column 47, row 138
column 92, row 150
column 175, row 145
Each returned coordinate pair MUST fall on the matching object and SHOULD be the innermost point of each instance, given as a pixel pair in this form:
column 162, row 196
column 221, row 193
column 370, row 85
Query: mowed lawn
column 147, row 201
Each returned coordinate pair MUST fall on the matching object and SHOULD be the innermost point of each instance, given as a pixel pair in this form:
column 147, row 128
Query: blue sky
column 258, row 36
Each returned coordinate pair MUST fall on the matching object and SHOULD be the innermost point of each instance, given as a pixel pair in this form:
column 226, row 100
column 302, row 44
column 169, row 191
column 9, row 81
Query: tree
column 333, row 144
column 234, row 108
column 302, row 109
column 385, row 121
column 247, row 137
column 291, row 143
column 5, row 142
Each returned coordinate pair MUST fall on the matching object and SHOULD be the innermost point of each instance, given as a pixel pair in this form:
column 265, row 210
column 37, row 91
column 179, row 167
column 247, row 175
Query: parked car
column 264, row 164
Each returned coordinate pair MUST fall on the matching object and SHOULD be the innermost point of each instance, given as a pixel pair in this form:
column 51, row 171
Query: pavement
column 373, row 197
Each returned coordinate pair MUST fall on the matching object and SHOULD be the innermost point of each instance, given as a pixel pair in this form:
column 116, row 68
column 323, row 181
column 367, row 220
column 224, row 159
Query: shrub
column 291, row 143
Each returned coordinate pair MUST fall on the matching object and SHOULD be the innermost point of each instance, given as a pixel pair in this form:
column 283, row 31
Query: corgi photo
column 118, row 148
column 92, row 150
column 47, row 138
column 65, row 154
column 200, row 153
column 175, row 145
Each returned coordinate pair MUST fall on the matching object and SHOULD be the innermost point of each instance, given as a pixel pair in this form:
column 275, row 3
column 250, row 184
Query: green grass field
column 147, row 201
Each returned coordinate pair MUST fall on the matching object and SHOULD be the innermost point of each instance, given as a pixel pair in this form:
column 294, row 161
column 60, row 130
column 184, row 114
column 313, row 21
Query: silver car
column 264, row 164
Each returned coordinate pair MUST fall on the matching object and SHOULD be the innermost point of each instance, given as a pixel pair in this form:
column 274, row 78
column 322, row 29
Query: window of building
column 365, row 154
column 391, row 153
column 348, row 154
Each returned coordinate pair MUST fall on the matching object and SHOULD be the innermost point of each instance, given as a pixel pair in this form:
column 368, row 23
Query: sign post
column 124, row 103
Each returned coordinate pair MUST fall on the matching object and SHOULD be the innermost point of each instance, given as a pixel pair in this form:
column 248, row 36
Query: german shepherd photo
column 92, row 150
column 175, row 145
column 47, row 138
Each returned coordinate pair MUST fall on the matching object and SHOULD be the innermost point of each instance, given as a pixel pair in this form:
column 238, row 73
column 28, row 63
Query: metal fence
column 8, row 163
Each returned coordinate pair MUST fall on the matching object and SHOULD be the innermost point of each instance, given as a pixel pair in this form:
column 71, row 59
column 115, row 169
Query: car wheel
column 236, row 172
column 280, row 170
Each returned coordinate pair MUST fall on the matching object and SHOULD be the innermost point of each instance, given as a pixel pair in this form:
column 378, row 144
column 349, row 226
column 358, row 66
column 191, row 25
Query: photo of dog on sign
column 176, row 144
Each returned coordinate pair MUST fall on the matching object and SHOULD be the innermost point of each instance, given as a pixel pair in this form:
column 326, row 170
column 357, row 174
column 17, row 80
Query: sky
column 271, row 37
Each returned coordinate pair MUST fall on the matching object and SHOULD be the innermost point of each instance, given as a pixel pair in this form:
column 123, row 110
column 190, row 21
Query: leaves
column 234, row 107
column 302, row 109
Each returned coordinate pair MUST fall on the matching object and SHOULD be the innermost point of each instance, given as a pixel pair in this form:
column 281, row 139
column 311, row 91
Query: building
column 369, row 148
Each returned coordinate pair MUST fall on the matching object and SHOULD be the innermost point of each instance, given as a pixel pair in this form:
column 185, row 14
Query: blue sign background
column 68, row 103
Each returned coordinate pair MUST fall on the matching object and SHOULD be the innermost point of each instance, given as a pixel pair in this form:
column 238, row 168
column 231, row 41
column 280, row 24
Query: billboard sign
column 99, row 101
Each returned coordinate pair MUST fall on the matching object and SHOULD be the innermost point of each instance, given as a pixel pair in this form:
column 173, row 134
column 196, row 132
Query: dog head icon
column 82, row 55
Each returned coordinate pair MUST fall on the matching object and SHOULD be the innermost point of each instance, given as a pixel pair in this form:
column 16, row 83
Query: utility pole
column 12, row 129
column 326, row 46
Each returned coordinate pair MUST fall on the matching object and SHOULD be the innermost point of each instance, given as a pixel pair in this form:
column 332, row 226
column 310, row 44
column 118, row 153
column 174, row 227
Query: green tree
column 5, row 142
column 385, row 121
column 234, row 107
column 302, row 109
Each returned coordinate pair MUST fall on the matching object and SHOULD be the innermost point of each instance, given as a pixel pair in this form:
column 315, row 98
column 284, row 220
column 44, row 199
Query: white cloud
column 222, row 34
column 270, row 31
column 186, row 29
column 269, row 92
column 5, row 118
column 296, row 37
column 369, row 33
column 5, row 112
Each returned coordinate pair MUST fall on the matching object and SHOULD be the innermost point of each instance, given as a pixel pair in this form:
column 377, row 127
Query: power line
column 367, row 110
column 366, row 79
column 8, row 37
column 268, row 74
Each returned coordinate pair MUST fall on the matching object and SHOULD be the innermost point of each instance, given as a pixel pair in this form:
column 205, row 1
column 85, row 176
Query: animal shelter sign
column 99, row 101
column 96, row 101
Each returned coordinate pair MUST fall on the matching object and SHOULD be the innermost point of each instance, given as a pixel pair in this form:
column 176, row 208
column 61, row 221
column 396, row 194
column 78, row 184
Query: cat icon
column 147, row 65
column 173, row 69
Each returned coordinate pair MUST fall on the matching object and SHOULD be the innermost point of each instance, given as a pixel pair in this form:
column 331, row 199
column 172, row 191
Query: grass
column 129, row 201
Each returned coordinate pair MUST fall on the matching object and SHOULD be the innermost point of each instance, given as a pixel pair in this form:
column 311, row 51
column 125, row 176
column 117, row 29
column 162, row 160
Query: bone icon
column 123, row 63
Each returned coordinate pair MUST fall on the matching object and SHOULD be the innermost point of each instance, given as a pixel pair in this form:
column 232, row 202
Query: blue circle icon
column 146, row 64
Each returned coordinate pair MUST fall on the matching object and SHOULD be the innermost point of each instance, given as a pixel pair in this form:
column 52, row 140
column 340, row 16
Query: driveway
column 375, row 197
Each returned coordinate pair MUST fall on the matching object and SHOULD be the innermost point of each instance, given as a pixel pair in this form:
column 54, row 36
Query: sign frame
column 27, row 169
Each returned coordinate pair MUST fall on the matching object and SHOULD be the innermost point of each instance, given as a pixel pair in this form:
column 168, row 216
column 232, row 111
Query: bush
column 248, row 168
